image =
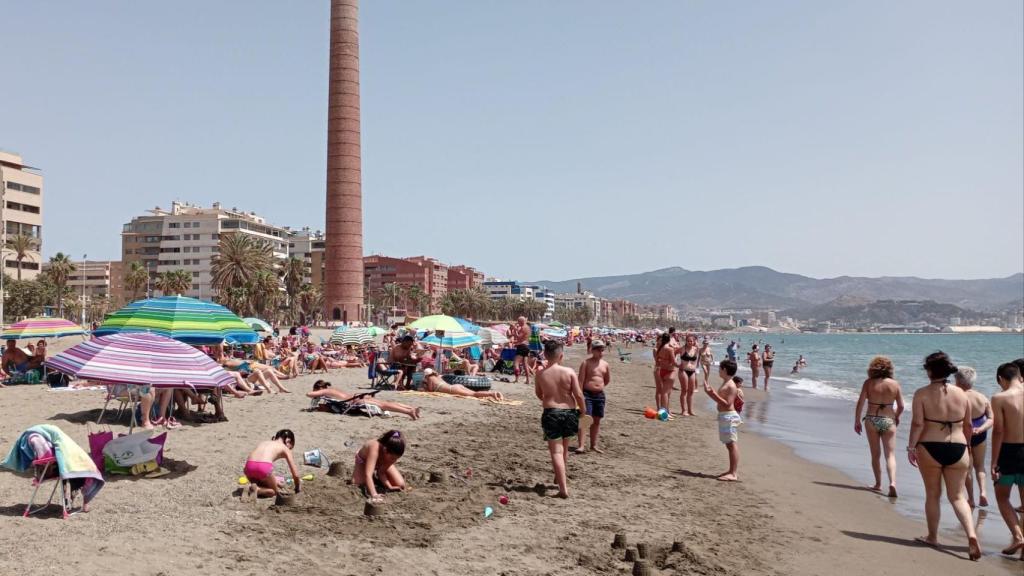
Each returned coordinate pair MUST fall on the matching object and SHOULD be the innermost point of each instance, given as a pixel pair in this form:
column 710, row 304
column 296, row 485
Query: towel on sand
column 72, row 462
column 443, row 395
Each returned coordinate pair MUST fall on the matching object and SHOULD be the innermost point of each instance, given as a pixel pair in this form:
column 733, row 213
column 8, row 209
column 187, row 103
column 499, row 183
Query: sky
column 539, row 139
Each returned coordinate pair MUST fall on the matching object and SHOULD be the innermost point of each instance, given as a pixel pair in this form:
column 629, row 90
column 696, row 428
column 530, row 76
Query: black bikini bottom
column 945, row 453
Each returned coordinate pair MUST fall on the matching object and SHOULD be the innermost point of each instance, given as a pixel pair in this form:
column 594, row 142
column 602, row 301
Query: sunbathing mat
column 440, row 395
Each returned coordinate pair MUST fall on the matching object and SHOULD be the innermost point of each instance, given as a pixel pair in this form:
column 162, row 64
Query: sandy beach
column 655, row 482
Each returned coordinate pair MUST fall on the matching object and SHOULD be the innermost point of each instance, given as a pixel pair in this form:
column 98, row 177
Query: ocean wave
column 819, row 388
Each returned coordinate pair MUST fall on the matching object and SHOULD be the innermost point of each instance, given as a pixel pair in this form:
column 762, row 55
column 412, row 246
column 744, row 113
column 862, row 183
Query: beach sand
column 654, row 482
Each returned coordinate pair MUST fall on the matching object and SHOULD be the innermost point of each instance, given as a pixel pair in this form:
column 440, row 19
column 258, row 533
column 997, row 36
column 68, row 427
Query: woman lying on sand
column 432, row 382
column 261, row 372
column 322, row 389
column 375, row 469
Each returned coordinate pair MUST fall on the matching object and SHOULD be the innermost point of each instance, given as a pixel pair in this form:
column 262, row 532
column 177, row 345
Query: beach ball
column 650, row 413
column 663, row 414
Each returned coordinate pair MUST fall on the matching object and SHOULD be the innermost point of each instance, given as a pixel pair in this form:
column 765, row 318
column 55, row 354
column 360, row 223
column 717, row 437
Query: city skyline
column 893, row 134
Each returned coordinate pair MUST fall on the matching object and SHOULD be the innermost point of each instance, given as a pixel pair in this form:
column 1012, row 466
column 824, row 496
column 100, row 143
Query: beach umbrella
column 181, row 318
column 438, row 322
column 452, row 340
column 467, row 326
column 41, row 328
column 554, row 333
column 503, row 328
column 140, row 358
column 492, row 337
column 352, row 336
column 340, row 329
column 375, row 331
column 556, row 324
column 258, row 325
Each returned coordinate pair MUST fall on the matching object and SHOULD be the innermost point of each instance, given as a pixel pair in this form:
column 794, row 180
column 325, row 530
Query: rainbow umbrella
column 140, row 358
column 184, row 319
column 41, row 328
column 438, row 322
column 452, row 340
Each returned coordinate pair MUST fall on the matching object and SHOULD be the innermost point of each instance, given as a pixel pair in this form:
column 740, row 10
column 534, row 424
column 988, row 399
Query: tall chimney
column 343, row 246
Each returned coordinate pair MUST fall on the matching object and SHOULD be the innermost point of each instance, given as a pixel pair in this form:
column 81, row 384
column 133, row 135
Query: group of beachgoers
column 949, row 438
column 17, row 362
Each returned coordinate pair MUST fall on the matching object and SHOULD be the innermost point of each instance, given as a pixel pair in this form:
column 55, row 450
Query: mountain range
column 764, row 288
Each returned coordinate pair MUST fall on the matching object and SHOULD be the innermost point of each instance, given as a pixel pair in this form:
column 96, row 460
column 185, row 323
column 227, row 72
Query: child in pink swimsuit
column 259, row 468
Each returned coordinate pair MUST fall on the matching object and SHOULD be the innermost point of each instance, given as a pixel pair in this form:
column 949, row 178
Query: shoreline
column 655, row 482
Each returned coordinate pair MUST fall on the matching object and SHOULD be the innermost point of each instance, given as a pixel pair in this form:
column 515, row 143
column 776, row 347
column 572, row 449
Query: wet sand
column 655, row 482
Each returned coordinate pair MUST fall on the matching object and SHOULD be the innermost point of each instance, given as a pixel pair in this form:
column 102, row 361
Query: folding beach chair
column 624, row 356
column 126, row 395
column 44, row 470
column 382, row 379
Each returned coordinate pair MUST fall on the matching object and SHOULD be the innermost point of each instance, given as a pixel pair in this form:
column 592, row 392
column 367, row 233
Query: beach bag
column 97, row 441
column 122, row 453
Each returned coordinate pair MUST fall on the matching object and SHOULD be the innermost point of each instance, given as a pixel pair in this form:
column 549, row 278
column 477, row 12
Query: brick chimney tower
column 343, row 258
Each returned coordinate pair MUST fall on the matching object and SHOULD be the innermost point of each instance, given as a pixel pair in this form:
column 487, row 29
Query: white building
column 21, row 212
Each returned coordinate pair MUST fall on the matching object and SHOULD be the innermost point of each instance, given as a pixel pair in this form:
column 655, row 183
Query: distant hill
column 858, row 311
column 761, row 287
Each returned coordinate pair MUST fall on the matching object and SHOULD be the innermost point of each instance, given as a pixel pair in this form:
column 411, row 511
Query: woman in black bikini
column 938, row 447
column 688, row 355
column 768, row 362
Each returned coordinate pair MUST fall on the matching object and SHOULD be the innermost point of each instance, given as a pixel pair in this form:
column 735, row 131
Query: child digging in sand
column 595, row 375
column 558, row 389
column 259, row 468
column 728, row 419
column 375, row 469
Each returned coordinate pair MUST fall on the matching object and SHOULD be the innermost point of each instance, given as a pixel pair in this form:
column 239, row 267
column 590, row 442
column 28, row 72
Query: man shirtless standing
column 1008, row 449
column 595, row 375
column 519, row 334
column 559, row 391
column 403, row 355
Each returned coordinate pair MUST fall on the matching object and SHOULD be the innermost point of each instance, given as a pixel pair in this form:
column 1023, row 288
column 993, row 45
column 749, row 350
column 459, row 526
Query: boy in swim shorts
column 1008, row 449
column 259, row 468
column 594, row 375
column 559, row 391
column 728, row 419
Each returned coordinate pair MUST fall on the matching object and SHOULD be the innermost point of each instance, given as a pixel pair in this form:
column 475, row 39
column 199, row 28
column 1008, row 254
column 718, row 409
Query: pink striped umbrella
column 141, row 358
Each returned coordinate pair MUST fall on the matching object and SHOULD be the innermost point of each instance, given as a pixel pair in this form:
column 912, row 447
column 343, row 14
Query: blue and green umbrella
column 184, row 319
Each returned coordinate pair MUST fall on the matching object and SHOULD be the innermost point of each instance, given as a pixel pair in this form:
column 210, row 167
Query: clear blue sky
column 823, row 138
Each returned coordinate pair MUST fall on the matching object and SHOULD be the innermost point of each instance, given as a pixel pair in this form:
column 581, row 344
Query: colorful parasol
column 140, row 358
column 258, row 325
column 184, row 319
column 492, row 337
column 452, row 340
column 438, row 322
column 41, row 328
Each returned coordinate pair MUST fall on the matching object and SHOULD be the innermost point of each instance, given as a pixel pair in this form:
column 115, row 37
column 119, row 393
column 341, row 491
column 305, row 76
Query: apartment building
column 187, row 236
column 308, row 246
column 97, row 279
column 21, row 212
column 464, row 278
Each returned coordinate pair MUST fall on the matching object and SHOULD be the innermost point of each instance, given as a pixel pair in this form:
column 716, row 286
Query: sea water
column 813, row 411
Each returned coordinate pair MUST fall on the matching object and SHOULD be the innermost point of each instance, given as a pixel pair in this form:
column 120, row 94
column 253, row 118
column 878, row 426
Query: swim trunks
column 1011, row 464
column 559, row 423
column 522, row 350
column 256, row 470
column 595, row 403
column 727, row 425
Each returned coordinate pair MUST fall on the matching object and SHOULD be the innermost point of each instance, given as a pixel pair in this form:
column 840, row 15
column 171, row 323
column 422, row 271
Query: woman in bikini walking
column 879, row 392
column 707, row 358
column 664, row 370
column 938, row 447
column 768, row 362
column 688, row 356
column 754, row 358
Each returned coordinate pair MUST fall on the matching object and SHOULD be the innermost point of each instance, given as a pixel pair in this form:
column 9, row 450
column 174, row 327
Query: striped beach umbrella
column 258, row 325
column 41, row 328
column 352, row 336
column 467, row 326
column 492, row 337
column 452, row 340
column 184, row 319
column 140, row 358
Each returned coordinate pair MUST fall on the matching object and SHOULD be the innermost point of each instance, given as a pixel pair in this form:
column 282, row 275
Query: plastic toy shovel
column 488, row 511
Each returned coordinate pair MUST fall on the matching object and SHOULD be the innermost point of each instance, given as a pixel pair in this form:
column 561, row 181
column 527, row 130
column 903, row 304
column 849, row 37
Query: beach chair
column 44, row 470
column 624, row 356
column 381, row 379
column 126, row 395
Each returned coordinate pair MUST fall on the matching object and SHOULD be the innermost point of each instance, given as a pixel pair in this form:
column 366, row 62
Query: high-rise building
column 308, row 246
column 21, row 213
column 186, row 237
column 464, row 278
column 343, row 280
column 430, row 275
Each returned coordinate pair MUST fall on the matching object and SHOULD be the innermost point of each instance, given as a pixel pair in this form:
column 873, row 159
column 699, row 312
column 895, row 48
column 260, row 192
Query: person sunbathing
column 262, row 372
column 322, row 389
column 432, row 382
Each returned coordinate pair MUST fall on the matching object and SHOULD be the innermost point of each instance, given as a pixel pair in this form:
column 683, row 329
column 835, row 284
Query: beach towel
column 443, row 395
column 73, row 463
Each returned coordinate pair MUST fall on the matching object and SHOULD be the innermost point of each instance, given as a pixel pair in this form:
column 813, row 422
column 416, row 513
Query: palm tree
column 135, row 279
column 238, row 259
column 60, row 270
column 23, row 246
column 418, row 299
column 265, row 292
column 174, row 282
column 294, row 277
column 311, row 300
column 393, row 293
